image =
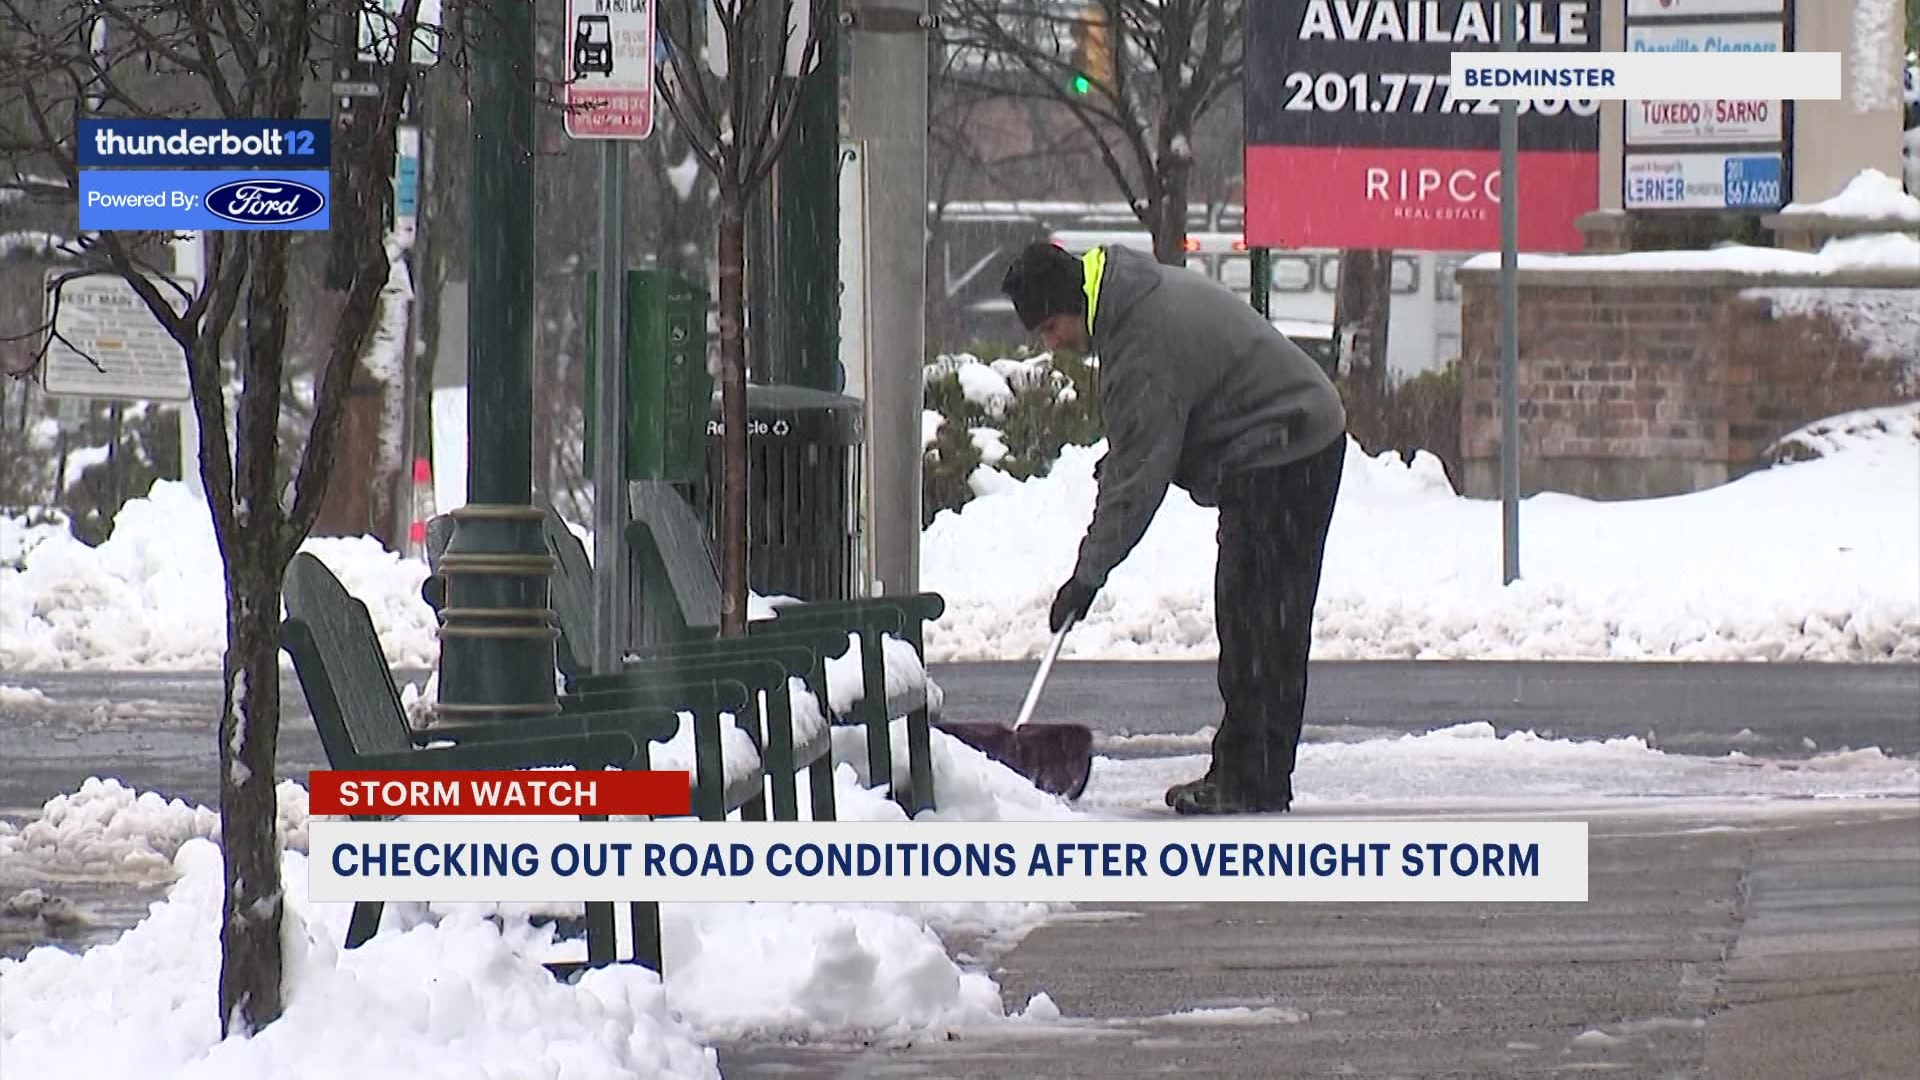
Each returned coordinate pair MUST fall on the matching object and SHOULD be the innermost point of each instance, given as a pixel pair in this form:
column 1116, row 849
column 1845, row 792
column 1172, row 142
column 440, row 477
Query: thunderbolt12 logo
column 270, row 142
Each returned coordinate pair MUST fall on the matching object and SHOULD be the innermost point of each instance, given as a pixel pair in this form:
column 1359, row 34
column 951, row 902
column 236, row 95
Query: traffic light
column 1092, row 56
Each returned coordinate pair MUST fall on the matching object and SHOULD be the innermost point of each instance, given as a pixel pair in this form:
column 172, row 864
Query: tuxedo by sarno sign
column 1355, row 138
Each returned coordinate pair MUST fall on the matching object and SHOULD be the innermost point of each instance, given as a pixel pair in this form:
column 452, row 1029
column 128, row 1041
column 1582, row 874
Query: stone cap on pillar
column 1871, row 203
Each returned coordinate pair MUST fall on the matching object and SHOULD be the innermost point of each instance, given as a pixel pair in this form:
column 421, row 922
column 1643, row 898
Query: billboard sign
column 1353, row 139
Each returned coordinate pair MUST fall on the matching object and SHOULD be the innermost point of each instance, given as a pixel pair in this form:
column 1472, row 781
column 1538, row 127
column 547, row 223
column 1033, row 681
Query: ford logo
column 265, row 202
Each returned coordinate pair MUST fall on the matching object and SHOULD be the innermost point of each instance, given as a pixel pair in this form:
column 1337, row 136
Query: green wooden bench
column 670, row 547
column 764, row 709
column 796, row 738
column 362, row 724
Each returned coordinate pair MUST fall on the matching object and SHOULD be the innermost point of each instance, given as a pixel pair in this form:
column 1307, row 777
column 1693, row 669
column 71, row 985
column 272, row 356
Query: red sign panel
column 1354, row 138
column 1412, row 200
column 352, row 793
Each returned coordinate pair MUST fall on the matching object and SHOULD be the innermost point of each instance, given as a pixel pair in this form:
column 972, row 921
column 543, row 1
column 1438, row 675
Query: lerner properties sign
column 1355, row 140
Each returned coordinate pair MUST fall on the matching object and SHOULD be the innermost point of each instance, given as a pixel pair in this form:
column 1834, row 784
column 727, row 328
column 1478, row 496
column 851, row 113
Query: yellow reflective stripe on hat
column 1092, row 265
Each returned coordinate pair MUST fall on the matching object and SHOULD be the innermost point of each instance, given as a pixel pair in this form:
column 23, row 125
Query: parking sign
column 609, row 69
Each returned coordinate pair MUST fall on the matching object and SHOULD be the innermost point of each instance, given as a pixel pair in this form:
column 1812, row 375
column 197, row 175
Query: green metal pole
column 807, row 263
column 1509, row 314
column 497, row 640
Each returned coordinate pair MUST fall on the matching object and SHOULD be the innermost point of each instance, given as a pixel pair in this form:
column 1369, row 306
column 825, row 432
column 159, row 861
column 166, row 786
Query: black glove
column 1070, row 604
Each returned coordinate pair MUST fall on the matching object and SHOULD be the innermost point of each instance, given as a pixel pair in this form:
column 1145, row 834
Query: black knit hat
column 1042, row 282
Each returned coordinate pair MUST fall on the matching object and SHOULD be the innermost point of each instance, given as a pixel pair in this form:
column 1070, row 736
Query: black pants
column 1273, row 533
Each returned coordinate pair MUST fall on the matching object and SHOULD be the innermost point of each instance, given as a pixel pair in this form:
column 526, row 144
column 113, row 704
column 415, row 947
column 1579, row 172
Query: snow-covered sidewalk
column 451, row 993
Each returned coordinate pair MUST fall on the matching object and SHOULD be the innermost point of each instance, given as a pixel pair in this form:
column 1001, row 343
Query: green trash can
column 804, row 462
column 667, row 380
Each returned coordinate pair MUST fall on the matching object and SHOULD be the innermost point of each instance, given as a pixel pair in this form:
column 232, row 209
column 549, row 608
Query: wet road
column 154, row 731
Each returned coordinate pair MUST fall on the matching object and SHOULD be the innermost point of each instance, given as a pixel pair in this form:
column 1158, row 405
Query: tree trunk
column 250, row 970
column 1170, row 226
column 1362, row 305
column 733, row 417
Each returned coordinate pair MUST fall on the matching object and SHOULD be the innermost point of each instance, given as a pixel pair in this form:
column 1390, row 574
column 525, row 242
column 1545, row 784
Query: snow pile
column 1809, row 561
column 108, row 829
column 1871, row 252
column 1848, row 432
column 20, row 535
column 153, row 595
column 19, row 700
column 816, row 970
column 449, row 981
column 448, row 1000
column 1472, row 765
column 1870, row 196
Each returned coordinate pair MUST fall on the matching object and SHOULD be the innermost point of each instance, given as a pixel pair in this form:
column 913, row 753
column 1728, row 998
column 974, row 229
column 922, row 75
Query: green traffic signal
column 1081, row 84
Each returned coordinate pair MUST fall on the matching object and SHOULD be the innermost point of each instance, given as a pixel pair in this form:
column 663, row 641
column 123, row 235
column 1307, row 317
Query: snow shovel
column 1058, row 758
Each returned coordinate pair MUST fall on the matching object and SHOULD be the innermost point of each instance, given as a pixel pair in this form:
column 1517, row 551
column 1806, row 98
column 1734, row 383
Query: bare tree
column 737, row 125
column 1159, row 67
column 230, row 59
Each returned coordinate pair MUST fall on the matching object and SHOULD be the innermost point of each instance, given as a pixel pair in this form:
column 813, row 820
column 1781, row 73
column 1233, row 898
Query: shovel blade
column 1056, row 758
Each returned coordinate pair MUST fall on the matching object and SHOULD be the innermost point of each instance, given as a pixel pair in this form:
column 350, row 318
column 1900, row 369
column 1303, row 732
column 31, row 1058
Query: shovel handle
column 1040, row 677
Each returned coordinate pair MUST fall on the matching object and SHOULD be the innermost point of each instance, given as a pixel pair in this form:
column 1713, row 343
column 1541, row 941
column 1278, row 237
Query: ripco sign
column 1355, row 138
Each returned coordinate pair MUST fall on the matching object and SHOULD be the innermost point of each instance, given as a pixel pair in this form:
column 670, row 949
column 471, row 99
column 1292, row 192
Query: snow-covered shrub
column 1009, row 417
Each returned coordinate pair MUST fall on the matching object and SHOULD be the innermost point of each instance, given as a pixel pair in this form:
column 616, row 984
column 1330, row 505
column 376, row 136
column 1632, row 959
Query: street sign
column 100, row 316
column 1745, row 181
column 1720, row 122
column 406, row 183
column 1685, row 9
column 1742, row 37
column 1715, row 155
column 610, row 69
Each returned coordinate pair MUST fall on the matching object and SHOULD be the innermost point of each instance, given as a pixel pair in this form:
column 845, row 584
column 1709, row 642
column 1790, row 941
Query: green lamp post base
column 498, row 635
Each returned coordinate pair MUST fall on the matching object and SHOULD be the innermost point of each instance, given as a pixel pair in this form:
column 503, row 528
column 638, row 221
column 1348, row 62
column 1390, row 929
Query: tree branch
column 372, row 265
column 771, row 148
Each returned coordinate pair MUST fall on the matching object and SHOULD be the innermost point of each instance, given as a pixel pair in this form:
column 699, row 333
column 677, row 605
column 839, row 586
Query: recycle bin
column 804, row 461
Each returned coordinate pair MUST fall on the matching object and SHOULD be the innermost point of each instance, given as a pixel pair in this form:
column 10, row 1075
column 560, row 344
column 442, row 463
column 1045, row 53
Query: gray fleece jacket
column 1195, row 386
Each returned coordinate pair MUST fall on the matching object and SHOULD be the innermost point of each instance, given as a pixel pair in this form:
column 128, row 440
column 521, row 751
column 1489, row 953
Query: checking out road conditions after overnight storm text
column 1419, row 92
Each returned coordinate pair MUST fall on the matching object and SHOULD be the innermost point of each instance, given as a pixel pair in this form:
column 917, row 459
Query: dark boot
column 1211, row 797
column 1184, row 790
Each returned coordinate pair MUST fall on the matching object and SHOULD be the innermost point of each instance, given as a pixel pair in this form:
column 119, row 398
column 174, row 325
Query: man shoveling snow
column 1200, row 391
